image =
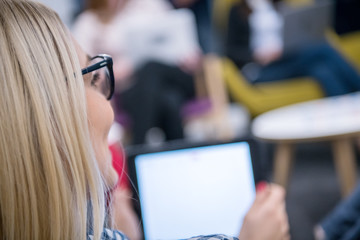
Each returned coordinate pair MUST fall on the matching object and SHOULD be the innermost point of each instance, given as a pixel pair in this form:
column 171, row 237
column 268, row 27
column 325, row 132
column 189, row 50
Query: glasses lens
column 100, row 78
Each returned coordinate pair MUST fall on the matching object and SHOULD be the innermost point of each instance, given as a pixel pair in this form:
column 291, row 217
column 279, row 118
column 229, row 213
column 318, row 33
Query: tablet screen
column 195, row 191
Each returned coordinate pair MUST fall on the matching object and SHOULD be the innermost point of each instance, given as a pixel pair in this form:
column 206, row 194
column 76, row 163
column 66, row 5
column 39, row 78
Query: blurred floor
column 313, row 190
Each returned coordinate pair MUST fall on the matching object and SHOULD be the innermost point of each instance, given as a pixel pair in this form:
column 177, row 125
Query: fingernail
column 260, row 186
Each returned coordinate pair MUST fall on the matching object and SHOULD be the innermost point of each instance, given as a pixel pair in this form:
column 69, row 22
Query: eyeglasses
column 103, row 76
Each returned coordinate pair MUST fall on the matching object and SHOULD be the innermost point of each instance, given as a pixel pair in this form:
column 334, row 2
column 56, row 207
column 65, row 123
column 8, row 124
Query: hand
column 267, row 218
column 264, row 58
column 319, row 233
column 123, row 215
column 192, row 63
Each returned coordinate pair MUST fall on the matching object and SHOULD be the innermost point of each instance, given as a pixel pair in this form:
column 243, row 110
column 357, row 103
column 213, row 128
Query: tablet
column 193, row 191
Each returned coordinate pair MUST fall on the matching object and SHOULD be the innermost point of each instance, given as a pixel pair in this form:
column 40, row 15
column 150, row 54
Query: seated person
column 152, row 93
column 343, row 222
column 202, row 12
column 255, row 44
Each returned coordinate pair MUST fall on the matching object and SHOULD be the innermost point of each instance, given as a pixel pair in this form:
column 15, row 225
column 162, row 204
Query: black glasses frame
column 106, row 62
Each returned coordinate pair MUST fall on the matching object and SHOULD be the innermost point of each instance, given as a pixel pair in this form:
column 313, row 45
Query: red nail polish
column 260, row 186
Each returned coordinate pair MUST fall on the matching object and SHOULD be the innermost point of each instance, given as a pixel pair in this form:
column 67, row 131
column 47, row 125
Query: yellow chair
column 263, row 97
column 347, row 44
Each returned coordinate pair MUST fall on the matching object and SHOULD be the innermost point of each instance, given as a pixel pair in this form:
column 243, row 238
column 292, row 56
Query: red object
column 261, row 186
column 119, row 163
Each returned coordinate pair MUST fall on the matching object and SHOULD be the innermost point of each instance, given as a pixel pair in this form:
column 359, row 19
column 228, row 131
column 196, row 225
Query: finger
column 285, row 226
column 281, row 223
column 262, row 196
column 260, row 186
column 287, row 237
column 277, row 195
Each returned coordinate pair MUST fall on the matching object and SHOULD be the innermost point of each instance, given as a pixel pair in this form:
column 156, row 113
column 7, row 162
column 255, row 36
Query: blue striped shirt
column 116, row 235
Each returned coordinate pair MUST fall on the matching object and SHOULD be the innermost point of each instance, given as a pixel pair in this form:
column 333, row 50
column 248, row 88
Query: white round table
column 335, row 119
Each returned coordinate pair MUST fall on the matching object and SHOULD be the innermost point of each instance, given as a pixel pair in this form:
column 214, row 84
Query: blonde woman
column 55, row 117
column 49, row 173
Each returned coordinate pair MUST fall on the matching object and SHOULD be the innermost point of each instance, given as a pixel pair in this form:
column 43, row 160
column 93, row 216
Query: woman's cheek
column 100, row 117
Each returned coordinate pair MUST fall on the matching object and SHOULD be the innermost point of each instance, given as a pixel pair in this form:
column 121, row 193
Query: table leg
column 345, row 163
column 283, row 163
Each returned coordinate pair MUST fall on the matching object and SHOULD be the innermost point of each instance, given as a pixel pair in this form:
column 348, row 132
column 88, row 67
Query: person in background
column 79, row 6
column 202, row 12
column 55, row 118
column 152, row 93
column 343, row 222
column 254, row 43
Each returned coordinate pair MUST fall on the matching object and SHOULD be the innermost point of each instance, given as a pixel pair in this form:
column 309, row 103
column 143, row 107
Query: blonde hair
column 49, row 176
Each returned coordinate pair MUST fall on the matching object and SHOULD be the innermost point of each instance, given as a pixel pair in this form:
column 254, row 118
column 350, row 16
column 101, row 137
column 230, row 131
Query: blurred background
column 203, row 70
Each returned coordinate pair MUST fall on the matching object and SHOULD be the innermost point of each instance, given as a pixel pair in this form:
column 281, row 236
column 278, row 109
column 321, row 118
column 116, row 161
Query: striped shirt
column 116, row 235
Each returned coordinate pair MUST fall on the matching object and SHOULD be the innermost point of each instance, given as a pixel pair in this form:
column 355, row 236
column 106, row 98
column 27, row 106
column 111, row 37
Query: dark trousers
column 155, row 100
column 344, row 222
column 322, row 62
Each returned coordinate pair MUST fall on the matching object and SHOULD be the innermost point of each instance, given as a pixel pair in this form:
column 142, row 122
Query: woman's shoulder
column 109, row 234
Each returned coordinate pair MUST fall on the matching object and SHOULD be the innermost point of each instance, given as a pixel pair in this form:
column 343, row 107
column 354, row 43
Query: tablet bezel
column 133, row 151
